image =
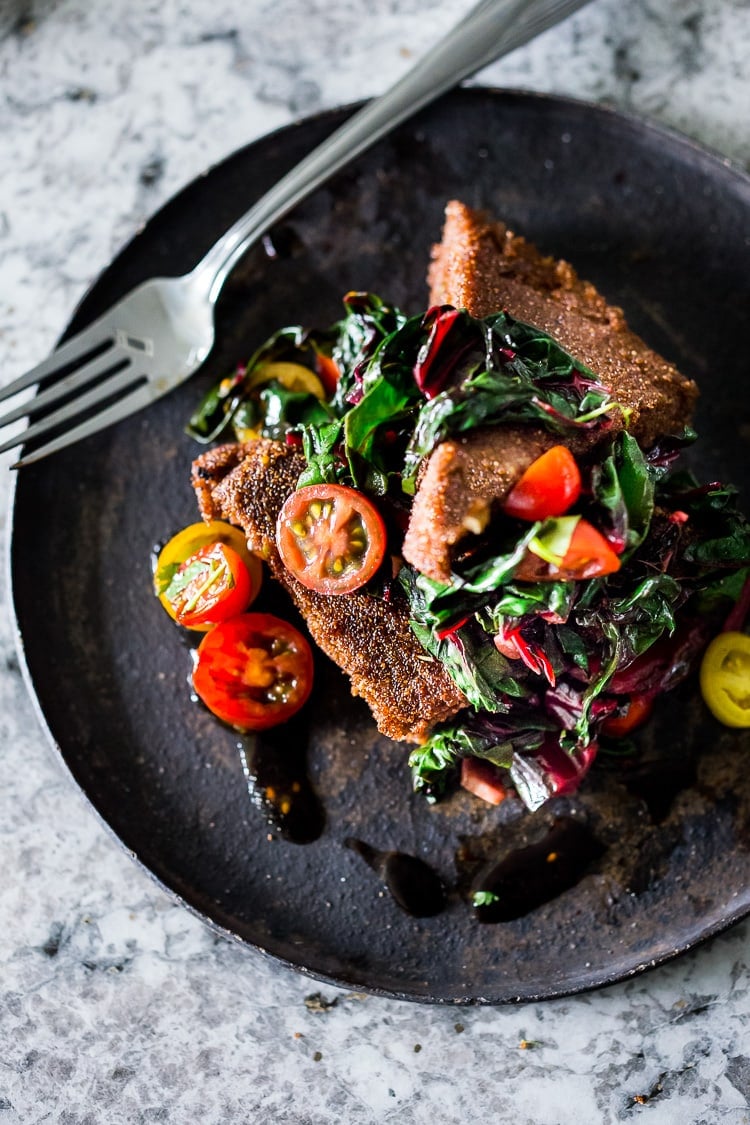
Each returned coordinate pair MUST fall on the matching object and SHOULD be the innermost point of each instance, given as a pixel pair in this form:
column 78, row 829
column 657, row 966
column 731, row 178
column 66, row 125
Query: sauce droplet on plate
column 275, row 766
column 412, row 883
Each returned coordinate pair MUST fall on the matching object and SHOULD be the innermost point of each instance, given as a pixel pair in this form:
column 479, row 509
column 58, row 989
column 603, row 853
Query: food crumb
column 298, row 1035
column 526, row 1044
column 318, row 1003
column 317, row 1056
column 458, row 1028
column 417, row 1048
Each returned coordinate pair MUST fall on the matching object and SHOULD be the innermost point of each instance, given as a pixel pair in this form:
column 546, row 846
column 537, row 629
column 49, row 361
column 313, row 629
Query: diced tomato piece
column 637, row 710
column 589, row 555
column 483, row 779
column 549, row 487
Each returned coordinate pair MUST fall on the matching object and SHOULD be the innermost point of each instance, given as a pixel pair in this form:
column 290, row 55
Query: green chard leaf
column 368, row 321
column 164, row 576
column 553, row 599
column 473, row 663
column 285, row 410
column 218, row 410
column 624, row 485
column 320, row 445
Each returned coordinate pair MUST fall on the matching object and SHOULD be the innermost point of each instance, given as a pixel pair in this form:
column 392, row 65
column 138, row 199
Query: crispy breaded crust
column 408, row 692
column 482, row 266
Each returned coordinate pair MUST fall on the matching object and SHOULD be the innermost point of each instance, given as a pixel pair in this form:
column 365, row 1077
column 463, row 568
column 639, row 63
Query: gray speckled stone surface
column 116, row 1005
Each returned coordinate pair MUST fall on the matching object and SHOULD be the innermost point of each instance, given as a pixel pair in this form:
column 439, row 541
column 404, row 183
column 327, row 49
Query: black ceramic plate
column 664, row 229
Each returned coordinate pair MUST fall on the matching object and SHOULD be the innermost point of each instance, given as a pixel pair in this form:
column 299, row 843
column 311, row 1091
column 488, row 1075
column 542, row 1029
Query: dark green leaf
column 624, row 486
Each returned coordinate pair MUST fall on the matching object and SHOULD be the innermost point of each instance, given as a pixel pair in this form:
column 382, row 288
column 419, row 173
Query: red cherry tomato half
column 589, row 555
column 254, row 671
column 187, row 543
column 331, row 538
column 211, row 586
column 637, row 710
column 549, row 487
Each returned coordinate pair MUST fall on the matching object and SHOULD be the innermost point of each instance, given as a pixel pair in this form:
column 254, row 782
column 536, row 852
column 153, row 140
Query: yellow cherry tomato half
column 725, row 679
column 293, row 376
column 187, row 543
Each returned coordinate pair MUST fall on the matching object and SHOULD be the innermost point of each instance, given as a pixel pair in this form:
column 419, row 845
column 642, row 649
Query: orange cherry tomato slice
column 210, row 586
column 589, row 555
column 331, row 538
column 549, row 487
column 254, row 671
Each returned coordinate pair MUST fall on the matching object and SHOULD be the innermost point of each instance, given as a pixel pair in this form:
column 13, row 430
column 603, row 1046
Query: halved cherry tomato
column 588, row 555
column 331, row 538
column 725, row 678
column 637, row 710
column 211, row 586
column 187, row 543
column 549, row 487
column 254, row 671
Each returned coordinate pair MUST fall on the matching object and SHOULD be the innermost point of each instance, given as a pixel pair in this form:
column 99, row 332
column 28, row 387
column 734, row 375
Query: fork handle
column 491, row 29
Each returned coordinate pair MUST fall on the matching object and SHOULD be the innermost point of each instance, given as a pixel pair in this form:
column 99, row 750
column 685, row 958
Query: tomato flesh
column 549, row 487
column 186, row 544
column 328, row 373
column 253, row 671
column 637, row 709
column 482, row 778
column 331, row 538
column 588, row 555
column 211, row 586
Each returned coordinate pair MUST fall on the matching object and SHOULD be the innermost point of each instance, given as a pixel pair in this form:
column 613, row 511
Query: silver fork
column 162, row 331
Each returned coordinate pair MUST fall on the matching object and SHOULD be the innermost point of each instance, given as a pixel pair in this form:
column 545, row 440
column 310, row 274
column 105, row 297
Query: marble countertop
column 117, row 1005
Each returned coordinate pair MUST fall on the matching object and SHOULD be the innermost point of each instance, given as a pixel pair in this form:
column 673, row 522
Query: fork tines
column 75, row 379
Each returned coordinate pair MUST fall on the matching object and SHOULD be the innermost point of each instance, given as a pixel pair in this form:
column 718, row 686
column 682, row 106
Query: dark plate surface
column 664, row 230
